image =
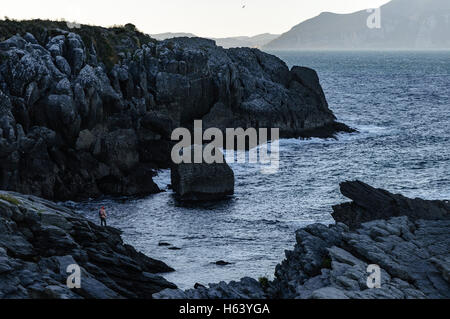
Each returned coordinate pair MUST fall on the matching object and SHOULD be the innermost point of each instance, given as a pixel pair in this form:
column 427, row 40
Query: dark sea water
column 399, row 102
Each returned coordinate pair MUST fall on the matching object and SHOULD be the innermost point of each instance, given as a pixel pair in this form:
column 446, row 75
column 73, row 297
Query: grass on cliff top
column 108, row 42
column 10, row 199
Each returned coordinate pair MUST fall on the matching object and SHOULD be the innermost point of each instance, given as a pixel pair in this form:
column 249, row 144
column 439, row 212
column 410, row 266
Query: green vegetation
column 108, row 42
column 10, row 199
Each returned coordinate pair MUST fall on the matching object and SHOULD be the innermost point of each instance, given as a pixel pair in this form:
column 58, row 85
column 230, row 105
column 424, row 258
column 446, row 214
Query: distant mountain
column 232, row 42
column 405, row 24
column 257, row 41
column 170, row 35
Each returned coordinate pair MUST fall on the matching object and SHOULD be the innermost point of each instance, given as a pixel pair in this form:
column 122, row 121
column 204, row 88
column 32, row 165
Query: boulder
column 202, row 181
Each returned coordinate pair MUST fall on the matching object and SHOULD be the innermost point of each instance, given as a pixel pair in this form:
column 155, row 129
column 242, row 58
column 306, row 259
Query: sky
column 206, row 18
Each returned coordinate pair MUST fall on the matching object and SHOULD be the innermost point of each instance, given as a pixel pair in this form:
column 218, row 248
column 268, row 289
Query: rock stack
column 202, row 181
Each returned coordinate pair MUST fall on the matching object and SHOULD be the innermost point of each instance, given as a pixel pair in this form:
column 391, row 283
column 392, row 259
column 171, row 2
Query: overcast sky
column 207, row 18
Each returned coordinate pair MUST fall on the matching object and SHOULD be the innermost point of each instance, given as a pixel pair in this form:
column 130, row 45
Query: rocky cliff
column 39, row 240
column 89, row 111
column 412, row 248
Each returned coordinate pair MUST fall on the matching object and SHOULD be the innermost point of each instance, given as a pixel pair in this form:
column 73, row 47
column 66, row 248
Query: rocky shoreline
column 89, row 111
column 39, row 240
column 408, row 239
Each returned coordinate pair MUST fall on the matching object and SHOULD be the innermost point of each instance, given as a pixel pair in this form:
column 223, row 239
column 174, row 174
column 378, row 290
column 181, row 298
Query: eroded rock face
column 202, row 181
column 330, row 262
column 78, row 121
column 39, row 240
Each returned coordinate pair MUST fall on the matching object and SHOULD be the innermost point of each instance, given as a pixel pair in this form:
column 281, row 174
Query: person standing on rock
column 103, row 216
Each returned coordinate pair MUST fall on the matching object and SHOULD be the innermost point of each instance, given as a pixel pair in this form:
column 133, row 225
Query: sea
column 399, row 102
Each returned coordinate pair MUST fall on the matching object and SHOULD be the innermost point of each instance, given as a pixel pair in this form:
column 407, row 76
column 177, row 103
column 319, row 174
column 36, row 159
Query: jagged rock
column 63, row 65
column 85, row 140
column 319, row 268
column 331, row 262
column 370, row 203
column 247, row 288
column 222, row 263
column 403, row 250
column 39, row 240
column 164, row 244
column 119, row 83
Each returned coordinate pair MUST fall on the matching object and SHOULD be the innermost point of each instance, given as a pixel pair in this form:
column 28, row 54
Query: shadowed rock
column 370, row 204
column 247, row 288
column 202, row 181
column 331, row 262
column 39, row 240
column 222, row 263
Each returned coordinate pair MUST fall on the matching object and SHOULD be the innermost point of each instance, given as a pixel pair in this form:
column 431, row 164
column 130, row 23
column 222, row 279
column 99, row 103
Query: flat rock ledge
column 412, row 249
column 39, row 240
